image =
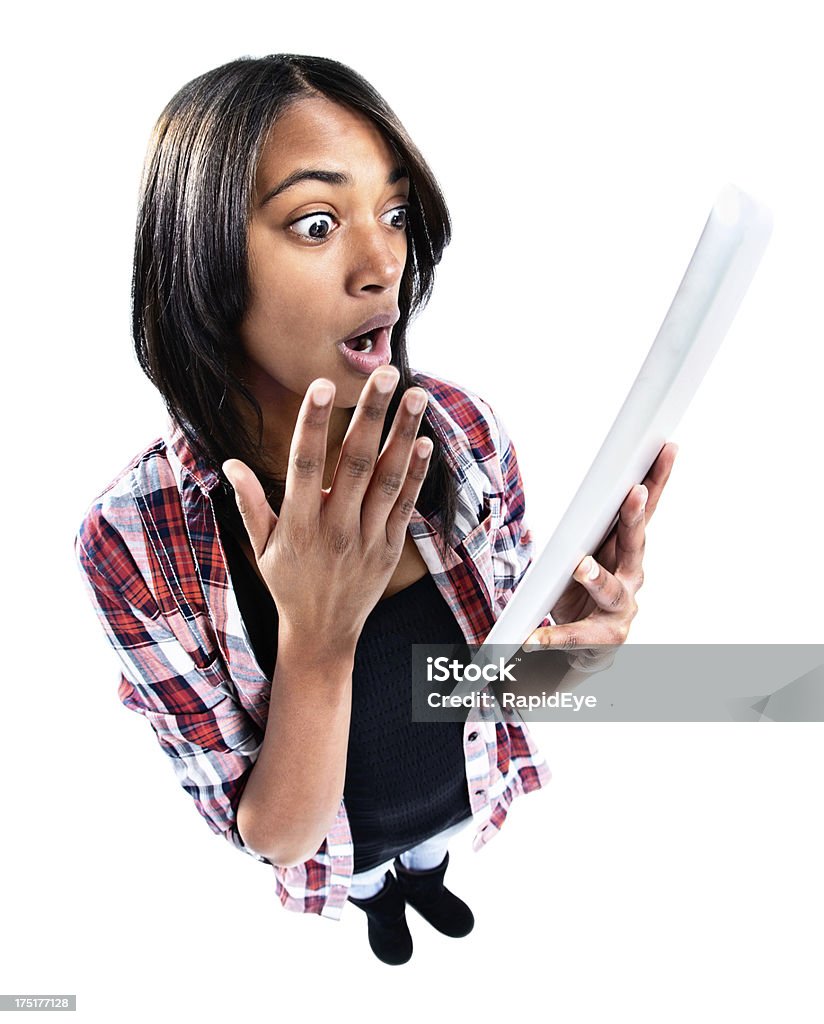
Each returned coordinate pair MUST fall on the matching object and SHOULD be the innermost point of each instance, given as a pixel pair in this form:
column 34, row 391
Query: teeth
column 365, row 343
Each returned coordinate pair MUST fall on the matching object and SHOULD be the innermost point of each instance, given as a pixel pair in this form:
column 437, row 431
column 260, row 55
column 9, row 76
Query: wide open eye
column 397, row 217
column 315, row 226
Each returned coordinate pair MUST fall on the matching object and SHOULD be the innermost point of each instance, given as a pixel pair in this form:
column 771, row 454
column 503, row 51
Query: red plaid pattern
column 150, row 555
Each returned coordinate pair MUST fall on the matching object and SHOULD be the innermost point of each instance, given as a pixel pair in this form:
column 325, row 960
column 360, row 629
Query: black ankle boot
column 425, row 891
column 389, row 935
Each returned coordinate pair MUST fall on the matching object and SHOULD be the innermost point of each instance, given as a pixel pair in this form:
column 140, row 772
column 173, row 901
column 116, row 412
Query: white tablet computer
column 716, row 280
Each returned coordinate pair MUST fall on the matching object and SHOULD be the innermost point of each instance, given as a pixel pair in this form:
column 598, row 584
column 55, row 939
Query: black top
column 405, row 780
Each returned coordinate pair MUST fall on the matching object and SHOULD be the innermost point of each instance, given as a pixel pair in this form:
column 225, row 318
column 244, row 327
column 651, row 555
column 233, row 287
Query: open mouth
column 368, row 350
column 363, row 343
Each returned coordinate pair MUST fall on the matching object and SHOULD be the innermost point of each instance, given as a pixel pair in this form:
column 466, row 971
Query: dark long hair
column 190, row 287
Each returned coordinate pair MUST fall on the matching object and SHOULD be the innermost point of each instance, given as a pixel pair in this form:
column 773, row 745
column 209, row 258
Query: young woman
column 315, row 506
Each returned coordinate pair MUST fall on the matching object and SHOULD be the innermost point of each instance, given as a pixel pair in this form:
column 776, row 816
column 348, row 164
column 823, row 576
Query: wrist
column 312, row 649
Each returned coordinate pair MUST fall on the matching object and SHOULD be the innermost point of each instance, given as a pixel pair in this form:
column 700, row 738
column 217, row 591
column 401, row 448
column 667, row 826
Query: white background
column 669, row 872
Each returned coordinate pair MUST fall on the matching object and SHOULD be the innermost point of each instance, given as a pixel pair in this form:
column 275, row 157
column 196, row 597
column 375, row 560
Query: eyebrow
column 338, row 178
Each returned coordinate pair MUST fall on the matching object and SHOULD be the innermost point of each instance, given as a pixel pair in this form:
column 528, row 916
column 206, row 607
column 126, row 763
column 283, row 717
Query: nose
column 376, row 259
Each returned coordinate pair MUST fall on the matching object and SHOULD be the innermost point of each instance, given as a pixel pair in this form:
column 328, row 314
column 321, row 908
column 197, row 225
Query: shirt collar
column 199, row 469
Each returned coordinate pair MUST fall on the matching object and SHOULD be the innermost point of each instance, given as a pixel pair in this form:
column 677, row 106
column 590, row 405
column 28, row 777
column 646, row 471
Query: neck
column 280, row 409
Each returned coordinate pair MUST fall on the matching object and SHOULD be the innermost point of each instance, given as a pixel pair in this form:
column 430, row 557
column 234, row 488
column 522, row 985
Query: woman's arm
column 295, row 788
column 326, row 558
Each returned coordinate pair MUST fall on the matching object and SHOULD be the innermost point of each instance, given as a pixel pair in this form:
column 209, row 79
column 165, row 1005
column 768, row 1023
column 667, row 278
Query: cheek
column 288, row 291
column 289, row 320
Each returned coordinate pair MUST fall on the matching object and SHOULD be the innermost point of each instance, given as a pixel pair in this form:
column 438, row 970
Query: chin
column 348, row 389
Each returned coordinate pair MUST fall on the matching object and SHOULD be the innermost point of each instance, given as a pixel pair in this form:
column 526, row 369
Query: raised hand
column 329, row 555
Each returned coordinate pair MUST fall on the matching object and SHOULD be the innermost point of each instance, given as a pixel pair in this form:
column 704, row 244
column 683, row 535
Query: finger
column 359, row 451
column 654, row 482
column 398, row 519
column 591, row 658
column 394, row 463
column 630, row 536
column 307, row 453
column 590, row 633
column 658, row 475
column 631, row 507
column 608, row 592
column 607, row 627
column 257, row 514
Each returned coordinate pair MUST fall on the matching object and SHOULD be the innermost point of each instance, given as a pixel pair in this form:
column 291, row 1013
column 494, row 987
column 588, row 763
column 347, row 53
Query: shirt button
column 472, row 736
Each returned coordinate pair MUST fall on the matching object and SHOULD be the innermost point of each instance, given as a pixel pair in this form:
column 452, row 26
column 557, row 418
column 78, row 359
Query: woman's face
column 327, row 248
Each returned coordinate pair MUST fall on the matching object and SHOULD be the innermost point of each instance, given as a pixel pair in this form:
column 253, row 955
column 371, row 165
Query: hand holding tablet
column 714, row 284
column 611, row 578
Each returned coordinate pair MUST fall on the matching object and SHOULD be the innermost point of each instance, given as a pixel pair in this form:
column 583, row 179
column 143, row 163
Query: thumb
column 257, row 515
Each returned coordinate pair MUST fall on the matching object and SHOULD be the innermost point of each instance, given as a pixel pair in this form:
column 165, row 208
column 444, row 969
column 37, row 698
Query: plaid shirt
column 150, row 554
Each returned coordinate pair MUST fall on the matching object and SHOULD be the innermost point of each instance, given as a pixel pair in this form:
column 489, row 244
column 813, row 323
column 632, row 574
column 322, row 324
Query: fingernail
column 415, row 401
column 591, row 568
column 423, row 446
column 385, row 382
column 322, row 394
column 645, row 495
column 532, row 643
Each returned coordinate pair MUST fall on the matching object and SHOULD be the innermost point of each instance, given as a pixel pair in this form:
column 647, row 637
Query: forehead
column 317, row 132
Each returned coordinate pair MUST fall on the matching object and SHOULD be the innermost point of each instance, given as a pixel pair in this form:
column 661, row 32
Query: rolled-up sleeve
column 211, row 741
